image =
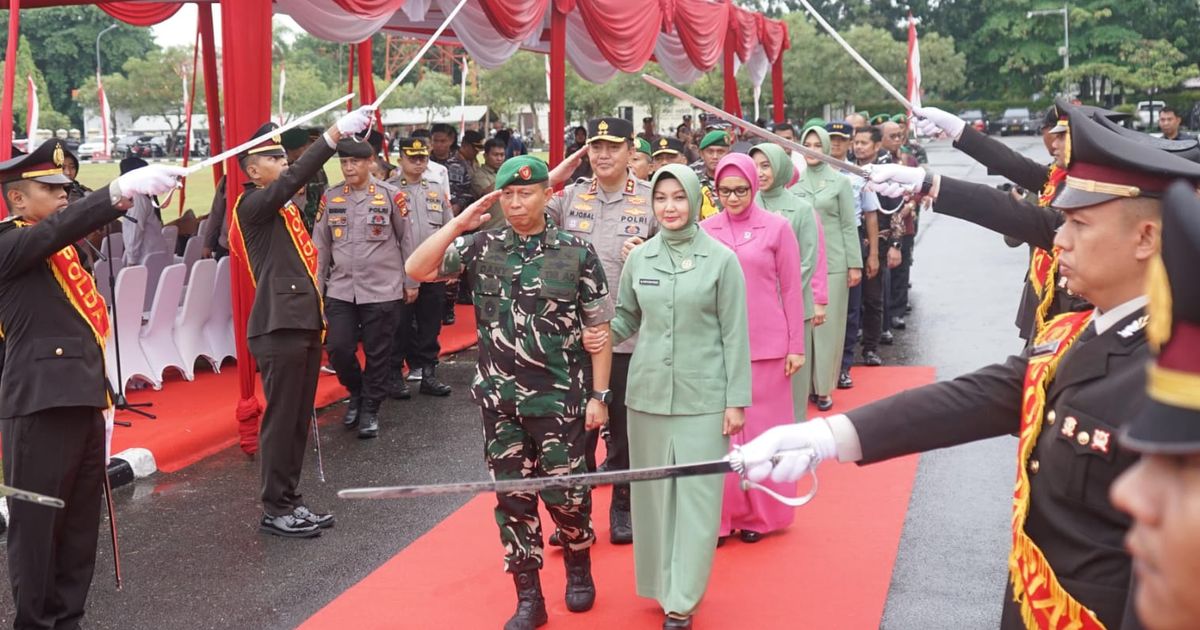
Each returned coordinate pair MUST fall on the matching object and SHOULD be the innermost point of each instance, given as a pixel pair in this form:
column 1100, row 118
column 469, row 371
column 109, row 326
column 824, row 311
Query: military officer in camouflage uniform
column 608, row 210
column 428, row 210
column 534, row 288
column 360, row 271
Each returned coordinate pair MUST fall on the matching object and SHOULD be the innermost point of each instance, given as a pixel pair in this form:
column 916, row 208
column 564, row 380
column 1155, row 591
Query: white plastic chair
column 191, row 253
column 115, row 242
column 100, row 277
column 170, row 234
column 155, row 264
column 189, row 335
column 219, row 327
column 127, row 309
column 158, row 342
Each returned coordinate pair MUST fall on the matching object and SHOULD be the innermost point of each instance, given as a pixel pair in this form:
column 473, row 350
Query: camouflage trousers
column 517, row 447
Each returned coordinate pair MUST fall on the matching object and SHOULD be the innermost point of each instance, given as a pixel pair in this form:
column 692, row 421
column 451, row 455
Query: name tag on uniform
column 1050, row 347
column 648, row 281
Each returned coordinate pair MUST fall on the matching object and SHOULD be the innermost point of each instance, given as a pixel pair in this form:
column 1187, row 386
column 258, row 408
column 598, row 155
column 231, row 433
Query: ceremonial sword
column 840, row 165
column 32, row 497
column 733, row 462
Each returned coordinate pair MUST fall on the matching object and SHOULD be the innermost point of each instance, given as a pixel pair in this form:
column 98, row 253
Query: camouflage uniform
column 532, row 297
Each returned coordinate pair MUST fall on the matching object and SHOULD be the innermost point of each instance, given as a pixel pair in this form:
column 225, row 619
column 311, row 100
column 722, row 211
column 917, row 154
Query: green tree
column 303, row 91
column 48, row 118
column 433, row 92
column 520, row 81
column 1154, row 66
column 63, row 43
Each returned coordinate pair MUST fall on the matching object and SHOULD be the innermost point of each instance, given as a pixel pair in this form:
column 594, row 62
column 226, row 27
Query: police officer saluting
column 360, row 271
column 286, row 323
column 609, row 210
column 424, row 302
column 534, row 287
column 54, row 324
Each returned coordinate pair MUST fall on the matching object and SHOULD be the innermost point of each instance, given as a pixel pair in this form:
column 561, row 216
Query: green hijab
column 781, row 170
column 814, row 175
column 679, row 241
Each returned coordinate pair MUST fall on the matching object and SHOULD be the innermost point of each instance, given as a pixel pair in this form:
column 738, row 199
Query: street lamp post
column 1066, row 51
column 100, row 88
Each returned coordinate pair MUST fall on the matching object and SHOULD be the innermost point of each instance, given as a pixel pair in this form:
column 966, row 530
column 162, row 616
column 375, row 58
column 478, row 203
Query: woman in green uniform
column 830, row 193
column 683, row 294
column 775, row 170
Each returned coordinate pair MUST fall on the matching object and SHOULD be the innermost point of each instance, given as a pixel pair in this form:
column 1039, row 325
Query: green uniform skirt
column 802, row 379
column 829, row 339
column 675, row 521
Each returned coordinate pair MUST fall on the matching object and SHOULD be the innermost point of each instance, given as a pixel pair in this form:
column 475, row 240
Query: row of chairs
column 155, row 263
column 170, row 336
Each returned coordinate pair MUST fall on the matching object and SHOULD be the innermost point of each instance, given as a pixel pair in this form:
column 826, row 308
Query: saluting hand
column 793, row 364
column 735, row 419
column 595, row 338
column 597, row 415
column 629, row 244
column 560, row 173
column 476, row 214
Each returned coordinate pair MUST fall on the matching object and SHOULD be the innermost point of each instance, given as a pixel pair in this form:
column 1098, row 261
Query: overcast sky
column 180, row 30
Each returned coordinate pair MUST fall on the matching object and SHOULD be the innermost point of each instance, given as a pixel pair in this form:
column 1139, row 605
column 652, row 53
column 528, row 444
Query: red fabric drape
column 366, row 79
column 350, row 50
column 777, row 96
column 625, row 32
column 515, row 19
column 701, row 26
column 212, row 98
column 370, row 8
column 246, row 45
column 10, row 82
column 744, row 26
column 773, row 35
column 732, row 104
column 558, row 82
column 140, row 13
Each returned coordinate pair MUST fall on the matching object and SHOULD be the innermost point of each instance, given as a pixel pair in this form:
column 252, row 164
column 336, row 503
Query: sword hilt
column 738, row 464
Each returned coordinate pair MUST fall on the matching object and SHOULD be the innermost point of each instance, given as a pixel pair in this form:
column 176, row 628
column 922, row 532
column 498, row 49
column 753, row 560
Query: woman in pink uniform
column 769, row 254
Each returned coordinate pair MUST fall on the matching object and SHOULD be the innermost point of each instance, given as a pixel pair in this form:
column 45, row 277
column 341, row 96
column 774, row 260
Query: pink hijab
column 740, row 165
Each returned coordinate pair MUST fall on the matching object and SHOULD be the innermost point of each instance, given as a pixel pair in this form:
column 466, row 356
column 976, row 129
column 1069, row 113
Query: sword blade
column 112, row 530
column 537, row 484
column 32, row 497
column 730, row 118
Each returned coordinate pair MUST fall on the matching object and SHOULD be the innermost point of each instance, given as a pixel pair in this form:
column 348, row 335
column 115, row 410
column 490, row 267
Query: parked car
column 1017, row 120
column 148, row 147
column 89, row 149
column 976, row 119
column 1145, row 117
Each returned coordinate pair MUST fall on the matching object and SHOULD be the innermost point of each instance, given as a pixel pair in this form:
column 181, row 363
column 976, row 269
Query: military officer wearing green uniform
column 420, row 322
column 713, row 146
column 54, row 389
column 609, row 210
column 360, row 271
column 534, row 287
column 308, row 198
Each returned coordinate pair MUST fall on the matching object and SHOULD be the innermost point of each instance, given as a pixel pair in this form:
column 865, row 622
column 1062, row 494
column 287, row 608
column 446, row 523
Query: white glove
column 795, row 445
column 931, row 121
column 356, row 120
column 156, row 179
column 894, row 180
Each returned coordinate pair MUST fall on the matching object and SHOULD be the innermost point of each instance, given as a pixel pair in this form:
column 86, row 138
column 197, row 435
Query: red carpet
column 198, row 419
column 830, row 570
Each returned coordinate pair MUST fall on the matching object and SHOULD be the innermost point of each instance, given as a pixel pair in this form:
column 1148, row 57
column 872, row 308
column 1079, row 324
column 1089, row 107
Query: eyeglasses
column 734, row 192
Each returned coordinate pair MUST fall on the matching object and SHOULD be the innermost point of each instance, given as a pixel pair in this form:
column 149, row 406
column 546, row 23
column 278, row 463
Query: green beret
column 814, row 122
column 294, row 138
column 643, row 145
column 714, row 138
column 879, row 119
column 522, row 170
column 900, row 118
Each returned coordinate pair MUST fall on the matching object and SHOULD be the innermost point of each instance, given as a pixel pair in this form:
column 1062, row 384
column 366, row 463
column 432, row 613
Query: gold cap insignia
column 602, row 127
column 58, row 154
column 417, row 144
column 663, row 143
column 276, row 138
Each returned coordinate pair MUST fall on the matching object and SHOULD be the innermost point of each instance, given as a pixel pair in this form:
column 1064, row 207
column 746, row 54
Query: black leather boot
column 350, row 420
column 531, row 606
column 369, row 423
column 397, row 386
column 581, row 590
column 431, row 385
column 620, row 521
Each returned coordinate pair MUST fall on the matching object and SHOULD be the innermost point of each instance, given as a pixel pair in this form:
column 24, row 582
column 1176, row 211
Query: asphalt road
column 191, row 556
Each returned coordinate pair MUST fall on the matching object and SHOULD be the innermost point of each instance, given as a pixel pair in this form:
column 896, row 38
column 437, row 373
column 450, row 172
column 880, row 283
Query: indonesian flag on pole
column 31, row 110
column 105, row 116
column 914, row 64
column 282, row 84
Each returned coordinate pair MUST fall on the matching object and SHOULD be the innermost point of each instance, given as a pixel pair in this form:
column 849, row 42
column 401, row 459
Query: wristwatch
column 603, row 395
column 927, row 185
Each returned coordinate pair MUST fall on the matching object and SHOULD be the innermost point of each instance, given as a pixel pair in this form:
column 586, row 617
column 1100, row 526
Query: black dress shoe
column 872, row 358
column 844, row 381
column 581, row 590
column 322, row 521
column 448, row 318
column 671, row 621
column 824, row 403
column 749, row 536
column 288, row 526
column 397, row 386
column 887, row 338
column 369, row 422
column 430, row 384
column 350, row 420
column 898, row 323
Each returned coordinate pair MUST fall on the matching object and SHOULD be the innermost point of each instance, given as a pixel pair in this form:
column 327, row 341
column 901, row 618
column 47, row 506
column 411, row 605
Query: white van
column 1143, row 113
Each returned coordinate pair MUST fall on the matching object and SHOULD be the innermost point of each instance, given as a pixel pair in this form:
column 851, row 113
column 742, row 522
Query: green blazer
column 833, row 197
column 693, row 346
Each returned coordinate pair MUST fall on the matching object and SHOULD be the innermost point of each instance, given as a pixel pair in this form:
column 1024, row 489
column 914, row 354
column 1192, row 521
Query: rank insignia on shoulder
column 630, row 186
column 1134, row 327
column 1069, row 425
column 1100, row 439
column 338, row 200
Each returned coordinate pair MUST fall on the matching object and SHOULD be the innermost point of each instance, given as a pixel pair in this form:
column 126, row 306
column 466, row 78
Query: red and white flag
column 31, row 111
column 105, row 116
column 914, row 64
